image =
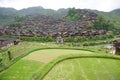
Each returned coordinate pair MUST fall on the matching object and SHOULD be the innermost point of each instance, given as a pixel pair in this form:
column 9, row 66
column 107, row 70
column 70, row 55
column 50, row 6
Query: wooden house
column 116, row 44
column 7, row 42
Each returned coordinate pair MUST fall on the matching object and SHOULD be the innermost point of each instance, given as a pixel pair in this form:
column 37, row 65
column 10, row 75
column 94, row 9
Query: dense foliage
column 15, row 25
column 39, row 39
column 91, row 38
column 102, row 23
column 111, row 17
column 76, row 39
column 73, row 15
column 19, row 18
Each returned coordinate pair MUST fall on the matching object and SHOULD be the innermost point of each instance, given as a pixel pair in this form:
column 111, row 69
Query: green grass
column 85, row 69
column 29, row 65
column 46, row 68
column 24, row 48
column 32, row 65
column 47, row 55
column 21, row 50
column 22, row 70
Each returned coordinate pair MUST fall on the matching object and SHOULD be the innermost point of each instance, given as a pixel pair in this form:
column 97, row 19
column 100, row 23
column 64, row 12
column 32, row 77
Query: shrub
column 90, row 38
column 39, row 39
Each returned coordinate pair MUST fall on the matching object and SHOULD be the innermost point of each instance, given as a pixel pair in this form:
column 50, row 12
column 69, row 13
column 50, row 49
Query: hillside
column 113, row 17
column 78, row 22
column 37, row 21
column 116, row 17
column 7, row 14
column 116, row 11
column 7, row 11
column 40, row 10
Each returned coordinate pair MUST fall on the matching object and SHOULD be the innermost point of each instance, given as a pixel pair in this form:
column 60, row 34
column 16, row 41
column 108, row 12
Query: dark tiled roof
column 6, row 41
column 3, row 45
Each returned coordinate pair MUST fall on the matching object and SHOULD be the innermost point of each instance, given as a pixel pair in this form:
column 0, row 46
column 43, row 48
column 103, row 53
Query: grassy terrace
column 49, row 61
column 100, row 62
column 85, row 69
column 27, row 66
column 24, row 48
column 21, row 70
column 47, row 55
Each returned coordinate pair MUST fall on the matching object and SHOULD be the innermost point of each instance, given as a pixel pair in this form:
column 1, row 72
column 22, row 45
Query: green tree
column 19, row 18
column 15, row 25
column 73, row 15
column 71, row 12
column 89, row 25
column 101, row 23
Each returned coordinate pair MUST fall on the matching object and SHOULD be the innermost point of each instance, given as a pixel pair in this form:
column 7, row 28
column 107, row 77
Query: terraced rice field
column 85, row 69
column 22, row 70
column 47, row 55
column 27, row 66
column 69, row 69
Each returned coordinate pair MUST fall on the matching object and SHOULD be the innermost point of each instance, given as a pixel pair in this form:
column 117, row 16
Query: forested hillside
column 116, row 11
column 8, row 15
column 112, row 16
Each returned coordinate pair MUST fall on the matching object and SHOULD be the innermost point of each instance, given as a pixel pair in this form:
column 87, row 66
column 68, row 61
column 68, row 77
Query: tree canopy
column 73, row 15
column 102, row 23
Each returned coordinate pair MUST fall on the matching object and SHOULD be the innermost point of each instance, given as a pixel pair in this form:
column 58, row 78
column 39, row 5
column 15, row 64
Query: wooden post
column 0, row 61
column 9, row 55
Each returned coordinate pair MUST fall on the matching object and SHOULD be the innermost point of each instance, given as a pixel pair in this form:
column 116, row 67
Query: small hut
column 60, row 34
column 7, row 42
column 116, row 44
column 59, row 38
